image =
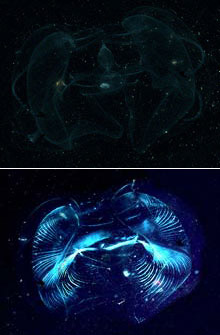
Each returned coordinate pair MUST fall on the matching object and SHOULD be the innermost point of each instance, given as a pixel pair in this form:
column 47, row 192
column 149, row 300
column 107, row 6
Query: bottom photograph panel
column 113, row 251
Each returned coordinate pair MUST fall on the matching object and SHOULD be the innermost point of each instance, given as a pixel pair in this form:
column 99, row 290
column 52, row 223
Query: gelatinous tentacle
column 169, row 112
column 105, row 58
column 199, row 112
column 202, row 52
column 85, row 38
column 41, row 100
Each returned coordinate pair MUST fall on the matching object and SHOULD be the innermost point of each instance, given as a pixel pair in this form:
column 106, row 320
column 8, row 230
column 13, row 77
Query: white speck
column 174, row 62
column 104, row 85
column 196, row 272
column 22, row 239
column 126, row 273
column 63, row 215
column 121, row 302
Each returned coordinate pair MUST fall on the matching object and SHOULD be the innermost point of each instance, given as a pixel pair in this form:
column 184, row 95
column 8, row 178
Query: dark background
column 196, row 146
column 23, row 191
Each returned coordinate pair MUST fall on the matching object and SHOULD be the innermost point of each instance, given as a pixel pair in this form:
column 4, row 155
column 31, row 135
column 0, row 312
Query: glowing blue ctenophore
column 126, row 248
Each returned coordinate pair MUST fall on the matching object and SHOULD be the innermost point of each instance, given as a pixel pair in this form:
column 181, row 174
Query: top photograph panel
column 107, row 84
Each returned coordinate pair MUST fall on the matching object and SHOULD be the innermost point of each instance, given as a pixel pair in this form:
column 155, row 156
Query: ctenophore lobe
column 126, row 249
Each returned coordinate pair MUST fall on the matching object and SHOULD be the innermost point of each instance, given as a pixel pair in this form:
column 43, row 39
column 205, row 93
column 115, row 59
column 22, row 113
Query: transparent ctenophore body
column 73, row 84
